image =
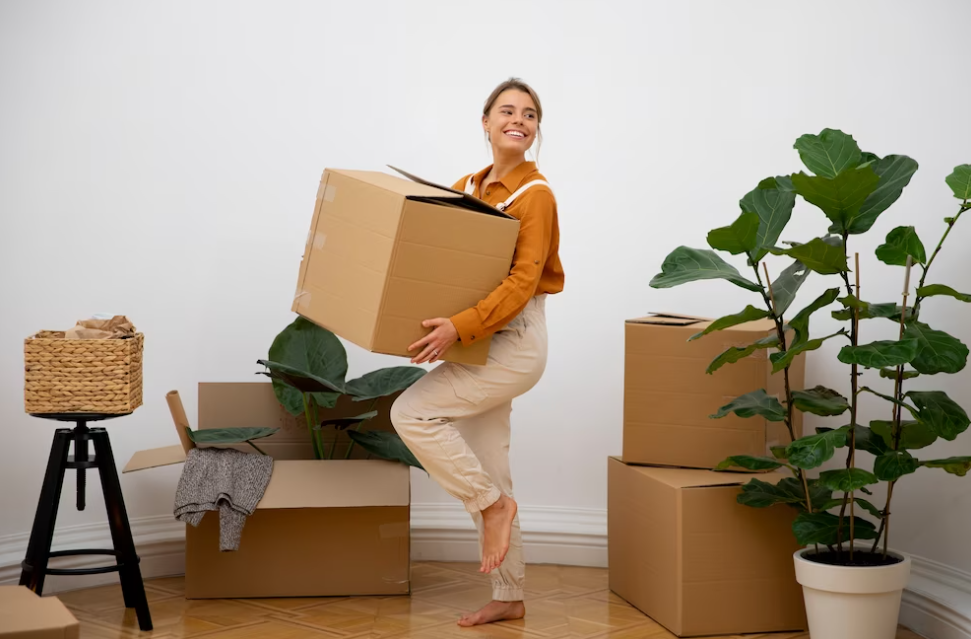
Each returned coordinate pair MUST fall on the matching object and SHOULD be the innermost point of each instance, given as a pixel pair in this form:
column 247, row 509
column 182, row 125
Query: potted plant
column 852, row 581
column 308, row 367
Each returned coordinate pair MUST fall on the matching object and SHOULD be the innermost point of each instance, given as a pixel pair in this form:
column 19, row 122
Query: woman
column 455, row 419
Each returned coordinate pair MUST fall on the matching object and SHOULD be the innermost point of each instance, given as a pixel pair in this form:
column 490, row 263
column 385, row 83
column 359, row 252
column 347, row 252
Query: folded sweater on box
column 226, row 480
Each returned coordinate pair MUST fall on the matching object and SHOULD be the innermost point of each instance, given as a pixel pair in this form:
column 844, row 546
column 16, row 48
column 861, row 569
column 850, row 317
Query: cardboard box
column 385, row 253
column 338, row 527
column 668, row 396
column 24, row 615
column 685, row 553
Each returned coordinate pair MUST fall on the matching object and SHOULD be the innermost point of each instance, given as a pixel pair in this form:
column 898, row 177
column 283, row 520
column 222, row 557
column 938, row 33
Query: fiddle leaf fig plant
column 308, row 366
column 851, row 188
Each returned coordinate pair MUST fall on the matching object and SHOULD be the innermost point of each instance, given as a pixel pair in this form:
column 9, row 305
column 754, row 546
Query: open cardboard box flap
column 294, row 483
column 696, row 478
column 675, row 319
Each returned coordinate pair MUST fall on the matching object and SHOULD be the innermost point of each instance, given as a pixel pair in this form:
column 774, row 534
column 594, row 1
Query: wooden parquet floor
column 562, row 602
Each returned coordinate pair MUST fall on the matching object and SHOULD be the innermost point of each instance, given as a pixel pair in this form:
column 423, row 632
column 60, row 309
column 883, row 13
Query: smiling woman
column 456, row 419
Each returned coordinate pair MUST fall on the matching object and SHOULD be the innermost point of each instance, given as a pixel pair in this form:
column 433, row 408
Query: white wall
column 161, row 160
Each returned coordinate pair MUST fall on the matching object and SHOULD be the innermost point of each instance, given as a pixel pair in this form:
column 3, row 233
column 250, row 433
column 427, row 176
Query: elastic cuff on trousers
column 483, row 501
column 506, row 593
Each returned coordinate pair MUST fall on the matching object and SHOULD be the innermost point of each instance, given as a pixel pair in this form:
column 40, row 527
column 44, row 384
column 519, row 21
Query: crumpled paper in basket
column 118, row 327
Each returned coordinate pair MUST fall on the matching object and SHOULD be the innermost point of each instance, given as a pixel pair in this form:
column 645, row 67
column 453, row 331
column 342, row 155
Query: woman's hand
column 434, row 345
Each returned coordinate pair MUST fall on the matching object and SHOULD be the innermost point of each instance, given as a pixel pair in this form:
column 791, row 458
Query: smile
column 519, row 135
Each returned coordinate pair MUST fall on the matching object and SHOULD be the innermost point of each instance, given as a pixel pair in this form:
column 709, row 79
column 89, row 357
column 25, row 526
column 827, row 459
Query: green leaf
column 774, row 208
column 779, row 452
column 781, row 360
column 864, row 440
column 894, row 464
column 887, row 310
column 937, row 352
column 749, row 462
column 879, row 354
column 839, row 198
column 955, row 465
column 894, row 172
column 867, row 157
column 891, row 373
column 846, row 480
column 299, row 379
column 939, row 289
column 820, row 401
column 686, row 264
column 866, row 505
column 385, row 445
column 733, row 354
column 800, row 323
column 823, row 528
column 749, row 314
column 960, row 181
column 829, row 153
column 383, row 382
column 941, row 413
column 780, row 183
column 752, row 404
column 340, row 423
column 815, row 450
column 913, row 411
column 740, row 237
column 785, row 287
column 309, row 349
column 820, row 256
column 901, row 242
column 227, row 436
column 914, row 435
column 761, row 494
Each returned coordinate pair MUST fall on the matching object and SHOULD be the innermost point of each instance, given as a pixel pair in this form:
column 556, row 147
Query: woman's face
column 512, row 122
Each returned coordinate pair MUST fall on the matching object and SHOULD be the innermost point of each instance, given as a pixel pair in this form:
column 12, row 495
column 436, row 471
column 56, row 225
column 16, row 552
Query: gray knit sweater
column 226, row 480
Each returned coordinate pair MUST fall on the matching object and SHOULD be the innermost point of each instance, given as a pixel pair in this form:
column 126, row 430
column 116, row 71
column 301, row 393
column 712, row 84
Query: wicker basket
column 83, row 375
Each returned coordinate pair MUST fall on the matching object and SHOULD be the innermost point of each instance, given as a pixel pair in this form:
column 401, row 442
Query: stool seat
column 35, row 564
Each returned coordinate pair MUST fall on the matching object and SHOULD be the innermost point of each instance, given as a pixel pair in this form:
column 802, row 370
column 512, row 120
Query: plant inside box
column 852, row 188
column 308, row 366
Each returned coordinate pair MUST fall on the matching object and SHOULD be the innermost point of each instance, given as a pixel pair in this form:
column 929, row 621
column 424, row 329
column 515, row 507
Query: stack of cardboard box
column 680, row 547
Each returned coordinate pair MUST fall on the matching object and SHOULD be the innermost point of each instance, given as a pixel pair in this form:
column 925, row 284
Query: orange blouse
column 536, row 267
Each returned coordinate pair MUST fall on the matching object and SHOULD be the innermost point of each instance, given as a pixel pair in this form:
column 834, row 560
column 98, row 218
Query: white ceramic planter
column 844, row 602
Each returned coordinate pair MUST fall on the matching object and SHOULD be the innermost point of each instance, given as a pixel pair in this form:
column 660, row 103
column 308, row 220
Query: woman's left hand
column 434, row 345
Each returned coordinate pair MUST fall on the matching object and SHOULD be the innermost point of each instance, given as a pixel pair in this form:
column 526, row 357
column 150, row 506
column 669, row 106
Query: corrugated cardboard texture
column 323, row 528
column 307, row 552
column 684, row 552
column 381, row 256
column 24, row 615
column 668, row 396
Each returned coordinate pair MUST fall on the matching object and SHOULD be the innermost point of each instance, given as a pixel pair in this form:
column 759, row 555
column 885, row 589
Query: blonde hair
column 518, row 85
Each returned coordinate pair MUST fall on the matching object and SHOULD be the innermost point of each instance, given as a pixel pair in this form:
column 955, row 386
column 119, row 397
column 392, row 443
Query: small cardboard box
column 336, row 527
column 685, row 553
column 24, row 615
column 668, row 396
column 384, row 254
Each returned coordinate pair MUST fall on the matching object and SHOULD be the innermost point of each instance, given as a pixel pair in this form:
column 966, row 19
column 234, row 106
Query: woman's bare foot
column 497, row 523
column 494, row 611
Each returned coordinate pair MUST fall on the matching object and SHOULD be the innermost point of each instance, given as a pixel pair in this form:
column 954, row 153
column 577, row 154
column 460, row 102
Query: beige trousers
column 455, row 420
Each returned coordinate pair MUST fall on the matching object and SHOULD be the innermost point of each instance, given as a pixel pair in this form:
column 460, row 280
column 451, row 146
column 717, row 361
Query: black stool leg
column 132, row 585
column 42, row 532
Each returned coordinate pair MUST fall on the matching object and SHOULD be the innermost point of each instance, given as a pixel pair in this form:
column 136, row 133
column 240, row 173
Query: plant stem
column 770, row 303
column 950, row 225
column 255, row 446
column 855, row 404
column 854, row 380
column 310, row 426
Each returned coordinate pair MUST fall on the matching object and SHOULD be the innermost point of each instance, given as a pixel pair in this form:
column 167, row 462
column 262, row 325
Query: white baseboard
column 440, row 532
column 937, row 602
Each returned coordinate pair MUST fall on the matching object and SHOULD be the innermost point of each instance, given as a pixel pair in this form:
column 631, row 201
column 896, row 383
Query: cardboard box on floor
column 385, row 253
column 336, row 527
column 668, row 396
column 24, row 615
column 685, row 553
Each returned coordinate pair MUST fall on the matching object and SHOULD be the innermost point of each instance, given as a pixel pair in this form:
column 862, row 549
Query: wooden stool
column 42, row 534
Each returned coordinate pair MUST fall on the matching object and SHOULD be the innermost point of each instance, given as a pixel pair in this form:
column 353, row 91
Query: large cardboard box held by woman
column 384, row 254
